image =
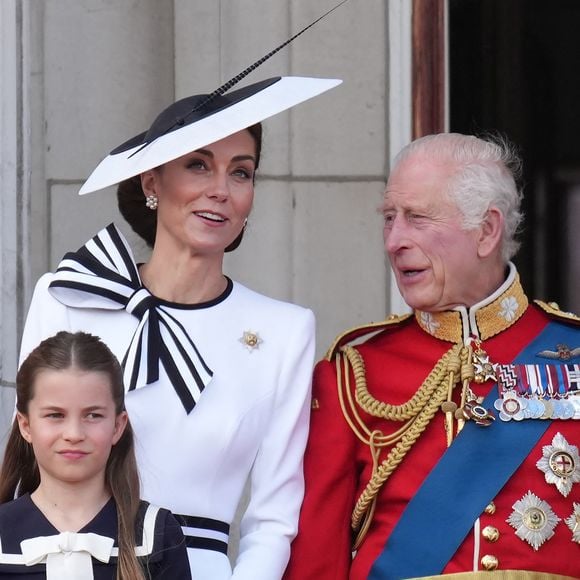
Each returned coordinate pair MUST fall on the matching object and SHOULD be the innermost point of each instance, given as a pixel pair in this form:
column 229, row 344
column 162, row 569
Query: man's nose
column 395, row 234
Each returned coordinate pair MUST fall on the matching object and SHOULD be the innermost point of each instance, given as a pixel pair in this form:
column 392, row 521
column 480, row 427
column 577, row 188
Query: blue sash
column 470, row 474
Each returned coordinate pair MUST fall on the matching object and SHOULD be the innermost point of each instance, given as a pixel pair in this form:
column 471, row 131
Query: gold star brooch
column 251, row 340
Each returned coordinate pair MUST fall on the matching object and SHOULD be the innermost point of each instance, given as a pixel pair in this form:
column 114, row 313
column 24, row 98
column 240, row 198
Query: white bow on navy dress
column 67, row 555
column 103, row 275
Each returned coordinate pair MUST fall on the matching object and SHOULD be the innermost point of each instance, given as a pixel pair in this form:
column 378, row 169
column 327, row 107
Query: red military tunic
column 338, row 465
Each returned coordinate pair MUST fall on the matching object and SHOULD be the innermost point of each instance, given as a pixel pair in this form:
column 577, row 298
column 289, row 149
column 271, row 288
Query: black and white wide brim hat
column 197, row 121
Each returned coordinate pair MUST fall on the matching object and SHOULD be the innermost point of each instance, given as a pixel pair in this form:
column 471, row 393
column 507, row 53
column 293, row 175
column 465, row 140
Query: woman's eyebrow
column 209, row 153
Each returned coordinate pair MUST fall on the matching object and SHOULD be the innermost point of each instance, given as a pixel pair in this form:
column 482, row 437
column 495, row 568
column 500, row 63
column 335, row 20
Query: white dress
column 250, row 421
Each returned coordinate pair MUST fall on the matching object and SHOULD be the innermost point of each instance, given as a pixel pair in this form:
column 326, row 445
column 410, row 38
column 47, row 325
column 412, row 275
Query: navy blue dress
column 160, row 545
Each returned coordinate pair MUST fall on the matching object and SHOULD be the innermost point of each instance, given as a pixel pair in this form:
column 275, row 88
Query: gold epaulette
column 553, row 310
column 364, row 331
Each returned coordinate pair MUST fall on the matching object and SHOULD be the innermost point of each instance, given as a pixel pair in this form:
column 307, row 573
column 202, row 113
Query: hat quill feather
column 235, row 80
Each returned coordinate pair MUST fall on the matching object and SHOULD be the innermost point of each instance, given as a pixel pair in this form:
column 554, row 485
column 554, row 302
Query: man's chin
column 417, row 302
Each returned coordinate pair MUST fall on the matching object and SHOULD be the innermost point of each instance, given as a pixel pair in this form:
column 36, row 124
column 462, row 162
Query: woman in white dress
column 218, row 376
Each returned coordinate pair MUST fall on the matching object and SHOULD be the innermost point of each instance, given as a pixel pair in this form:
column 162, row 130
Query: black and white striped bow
column 103, row 275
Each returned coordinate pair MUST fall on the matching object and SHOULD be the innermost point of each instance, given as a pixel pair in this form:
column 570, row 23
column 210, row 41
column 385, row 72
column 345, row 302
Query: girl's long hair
column 20, row 474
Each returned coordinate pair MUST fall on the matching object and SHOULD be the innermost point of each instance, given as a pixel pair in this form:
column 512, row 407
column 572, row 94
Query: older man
column 446, row 441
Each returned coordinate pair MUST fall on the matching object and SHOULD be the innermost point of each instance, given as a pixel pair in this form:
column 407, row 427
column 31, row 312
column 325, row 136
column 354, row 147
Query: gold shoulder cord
column 435, row 391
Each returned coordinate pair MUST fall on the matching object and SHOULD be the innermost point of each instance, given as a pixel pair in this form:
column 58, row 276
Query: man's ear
column 491, row 231
column 24, row 426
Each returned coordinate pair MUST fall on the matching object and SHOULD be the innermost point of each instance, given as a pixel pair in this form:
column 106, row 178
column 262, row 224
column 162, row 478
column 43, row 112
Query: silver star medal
column 251, row 340
column 533, row 520
column 573, row 522
column 560, row 464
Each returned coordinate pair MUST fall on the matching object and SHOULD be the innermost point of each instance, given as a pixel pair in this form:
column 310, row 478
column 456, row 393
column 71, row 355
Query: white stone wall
column 81, row 76
column 10, row 157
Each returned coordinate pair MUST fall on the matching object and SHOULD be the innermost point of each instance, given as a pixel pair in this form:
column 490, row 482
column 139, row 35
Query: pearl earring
column 152, row 202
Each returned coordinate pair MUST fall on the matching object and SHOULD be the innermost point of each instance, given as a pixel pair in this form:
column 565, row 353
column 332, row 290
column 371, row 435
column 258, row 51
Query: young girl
column 71, row 462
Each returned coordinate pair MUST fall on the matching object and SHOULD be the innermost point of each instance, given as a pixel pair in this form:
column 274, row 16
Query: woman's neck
column 184, row 278
column 70, row 507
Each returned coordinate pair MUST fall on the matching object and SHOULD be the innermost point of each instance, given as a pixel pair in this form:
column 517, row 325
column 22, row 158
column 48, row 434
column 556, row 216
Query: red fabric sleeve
column 322, row 548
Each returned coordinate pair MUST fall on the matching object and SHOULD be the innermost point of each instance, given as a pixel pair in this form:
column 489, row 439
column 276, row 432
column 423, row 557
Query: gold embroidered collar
column 485, row 319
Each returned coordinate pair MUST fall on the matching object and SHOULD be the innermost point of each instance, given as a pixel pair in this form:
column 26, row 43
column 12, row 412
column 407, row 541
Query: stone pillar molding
column 10, row 183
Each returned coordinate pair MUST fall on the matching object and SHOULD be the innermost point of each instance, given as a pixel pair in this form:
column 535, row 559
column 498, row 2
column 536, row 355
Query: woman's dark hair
column 143, row 221
column 20, row 474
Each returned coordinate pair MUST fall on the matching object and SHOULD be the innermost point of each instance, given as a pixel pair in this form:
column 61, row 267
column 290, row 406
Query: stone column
column 11, row 183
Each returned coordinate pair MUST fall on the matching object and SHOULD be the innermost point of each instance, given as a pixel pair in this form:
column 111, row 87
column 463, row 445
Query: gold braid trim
column 553, row 309
column 418, row 412
column 378, row 408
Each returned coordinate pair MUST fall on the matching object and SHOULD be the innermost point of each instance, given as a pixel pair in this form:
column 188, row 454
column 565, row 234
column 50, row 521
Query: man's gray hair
column 487, row 171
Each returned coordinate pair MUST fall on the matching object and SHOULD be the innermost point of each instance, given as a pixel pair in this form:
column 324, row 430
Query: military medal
column 563, row 409
column 510, row 406
column 483, row 368
column 471, row 407
column 549, row 410
column 560, row 464
column 573, row 522
column 473, row 410
column 538, row 391
column 251, row 340
column 533, row 520
column 535, row 409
